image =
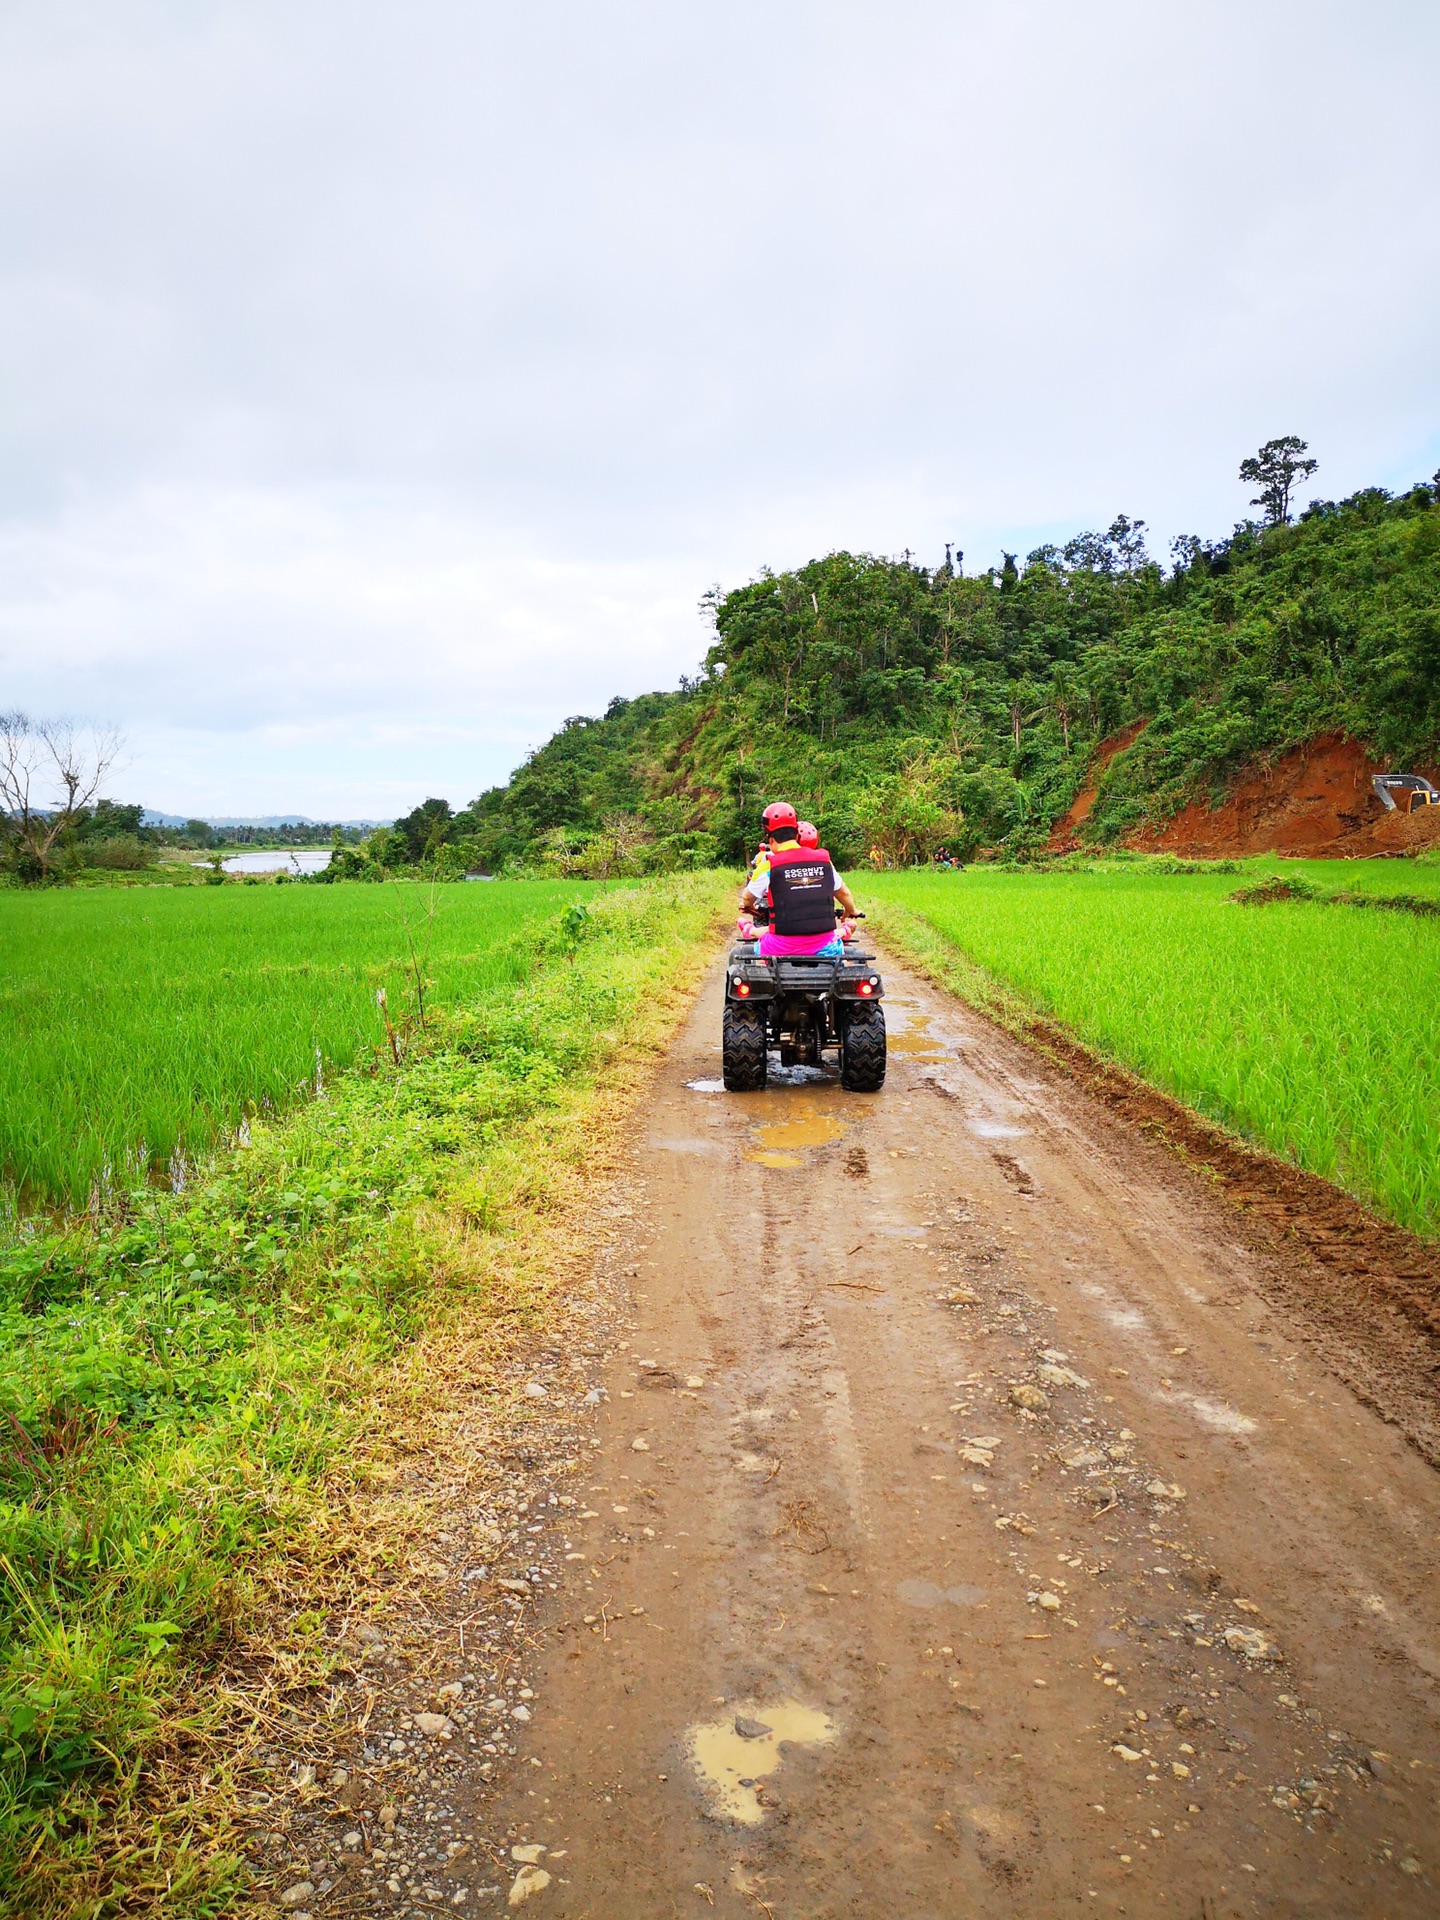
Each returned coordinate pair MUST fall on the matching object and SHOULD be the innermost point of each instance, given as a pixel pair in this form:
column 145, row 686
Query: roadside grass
column 1309, row 1029
column 205, row 1394
column 136, row 1025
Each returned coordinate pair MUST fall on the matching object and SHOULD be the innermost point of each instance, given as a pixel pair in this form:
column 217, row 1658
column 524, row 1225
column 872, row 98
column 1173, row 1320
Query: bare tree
column 618, row 848
column 50, row 772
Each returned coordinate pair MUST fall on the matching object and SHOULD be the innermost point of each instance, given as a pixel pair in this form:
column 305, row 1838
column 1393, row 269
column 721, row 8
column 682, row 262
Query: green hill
column 903, row 708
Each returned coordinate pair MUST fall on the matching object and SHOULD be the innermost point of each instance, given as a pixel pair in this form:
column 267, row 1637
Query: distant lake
column 281, row 860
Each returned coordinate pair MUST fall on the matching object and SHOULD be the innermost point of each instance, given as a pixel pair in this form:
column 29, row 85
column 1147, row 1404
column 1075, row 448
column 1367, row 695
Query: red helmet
column 780, row 815
column 809, row 834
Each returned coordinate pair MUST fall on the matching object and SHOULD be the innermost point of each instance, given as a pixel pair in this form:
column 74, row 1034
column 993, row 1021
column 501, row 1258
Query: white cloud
column 381, row 383
column 428, row 650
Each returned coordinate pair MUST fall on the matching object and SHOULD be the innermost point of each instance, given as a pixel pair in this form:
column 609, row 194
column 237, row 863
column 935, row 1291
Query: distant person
column 800, row 887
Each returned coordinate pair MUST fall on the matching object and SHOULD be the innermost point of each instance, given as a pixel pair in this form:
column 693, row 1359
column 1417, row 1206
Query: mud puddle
column 802, row 1122
column 734, row 1754
column 907, row 1030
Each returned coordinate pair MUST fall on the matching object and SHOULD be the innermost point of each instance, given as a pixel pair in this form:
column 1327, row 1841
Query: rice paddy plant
column 189, row 1386
column 138, row 1026
column 1313, row 1030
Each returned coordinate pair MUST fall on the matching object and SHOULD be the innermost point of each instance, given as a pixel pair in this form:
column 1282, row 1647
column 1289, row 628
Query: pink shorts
column 801, row 946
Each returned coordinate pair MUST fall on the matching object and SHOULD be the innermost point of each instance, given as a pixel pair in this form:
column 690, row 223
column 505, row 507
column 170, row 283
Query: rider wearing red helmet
column 778, row 815
column 801, row 887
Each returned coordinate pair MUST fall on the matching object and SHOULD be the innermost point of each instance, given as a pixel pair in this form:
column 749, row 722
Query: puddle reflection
column 734, row 1753
column 799, row 1124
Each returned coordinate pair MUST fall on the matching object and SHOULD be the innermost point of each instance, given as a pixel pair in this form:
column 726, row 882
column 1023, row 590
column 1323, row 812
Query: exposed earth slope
column 1314, row 799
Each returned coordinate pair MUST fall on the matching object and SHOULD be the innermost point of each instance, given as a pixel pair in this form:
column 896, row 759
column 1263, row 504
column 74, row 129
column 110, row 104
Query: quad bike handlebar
column 748, row 927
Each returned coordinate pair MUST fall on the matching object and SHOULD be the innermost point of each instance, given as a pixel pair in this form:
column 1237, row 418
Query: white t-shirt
column 759, row 887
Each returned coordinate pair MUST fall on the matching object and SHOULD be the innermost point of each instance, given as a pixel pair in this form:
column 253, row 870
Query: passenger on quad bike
column 796, row 989
column 800, row 886
column 809, row 836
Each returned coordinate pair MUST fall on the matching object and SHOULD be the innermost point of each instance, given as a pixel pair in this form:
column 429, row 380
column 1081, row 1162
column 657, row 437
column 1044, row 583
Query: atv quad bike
column 804, row 1008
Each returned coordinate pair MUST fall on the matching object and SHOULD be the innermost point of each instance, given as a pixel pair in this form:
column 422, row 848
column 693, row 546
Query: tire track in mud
column 1365, row 1289
column 968, row 1527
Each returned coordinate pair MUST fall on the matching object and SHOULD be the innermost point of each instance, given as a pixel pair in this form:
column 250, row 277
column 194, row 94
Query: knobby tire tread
column 862, row 1051
column 743, row 1049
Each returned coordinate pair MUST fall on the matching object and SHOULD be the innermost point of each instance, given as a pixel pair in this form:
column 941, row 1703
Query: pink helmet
column 809, row 835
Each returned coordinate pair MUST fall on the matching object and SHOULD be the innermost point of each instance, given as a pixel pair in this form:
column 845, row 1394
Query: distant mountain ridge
column 153, row 818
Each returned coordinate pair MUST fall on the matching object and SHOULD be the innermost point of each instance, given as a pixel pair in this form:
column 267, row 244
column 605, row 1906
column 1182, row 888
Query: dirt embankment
column 1315, row 800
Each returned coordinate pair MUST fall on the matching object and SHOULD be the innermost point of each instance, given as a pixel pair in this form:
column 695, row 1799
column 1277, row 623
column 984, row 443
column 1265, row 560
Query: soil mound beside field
column 1315, row 800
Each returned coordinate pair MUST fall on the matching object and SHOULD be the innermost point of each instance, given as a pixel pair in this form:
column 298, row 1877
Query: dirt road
column 962, row 1534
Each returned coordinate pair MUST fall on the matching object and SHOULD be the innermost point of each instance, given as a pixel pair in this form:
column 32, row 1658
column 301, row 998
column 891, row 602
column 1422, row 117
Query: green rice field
column 1313, row 1030
column 203, row 1389
column 136, row 1024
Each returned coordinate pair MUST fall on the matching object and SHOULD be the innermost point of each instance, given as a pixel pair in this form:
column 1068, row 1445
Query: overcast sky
column 384, row 382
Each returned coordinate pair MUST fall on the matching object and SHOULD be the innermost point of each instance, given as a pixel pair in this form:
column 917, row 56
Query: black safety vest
column 802, row 891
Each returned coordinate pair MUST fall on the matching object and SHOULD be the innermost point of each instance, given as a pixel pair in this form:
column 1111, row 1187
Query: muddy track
column 1365, row 1292
column 975, row 1520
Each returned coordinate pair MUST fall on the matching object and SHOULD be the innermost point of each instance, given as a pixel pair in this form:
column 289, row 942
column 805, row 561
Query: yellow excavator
column 1404, row 792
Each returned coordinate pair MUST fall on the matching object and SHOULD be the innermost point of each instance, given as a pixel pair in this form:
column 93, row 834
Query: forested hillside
column 905, row 708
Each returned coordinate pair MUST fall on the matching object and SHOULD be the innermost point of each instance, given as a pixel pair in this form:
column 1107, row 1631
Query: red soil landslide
column 1315, row 800
column 1063, row 838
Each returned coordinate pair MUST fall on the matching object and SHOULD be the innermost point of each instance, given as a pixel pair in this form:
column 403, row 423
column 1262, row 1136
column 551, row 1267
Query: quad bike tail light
column 865, row 989
column 742, row 989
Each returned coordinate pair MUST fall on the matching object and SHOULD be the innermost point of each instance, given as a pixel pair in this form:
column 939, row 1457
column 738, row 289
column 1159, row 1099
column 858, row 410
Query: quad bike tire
column 742, row 1049
column 862, row 1050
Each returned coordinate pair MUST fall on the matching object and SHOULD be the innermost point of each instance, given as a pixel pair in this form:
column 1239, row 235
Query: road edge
column 1388, row 1270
